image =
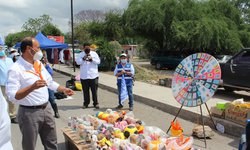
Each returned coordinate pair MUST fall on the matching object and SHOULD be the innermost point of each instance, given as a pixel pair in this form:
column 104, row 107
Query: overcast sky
column 13, row 13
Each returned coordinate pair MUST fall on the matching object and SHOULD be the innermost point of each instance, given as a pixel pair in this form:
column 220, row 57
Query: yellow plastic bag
column 78, row 86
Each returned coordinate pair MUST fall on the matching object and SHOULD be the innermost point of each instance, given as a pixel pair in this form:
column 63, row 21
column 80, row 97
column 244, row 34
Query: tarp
column 45, row 42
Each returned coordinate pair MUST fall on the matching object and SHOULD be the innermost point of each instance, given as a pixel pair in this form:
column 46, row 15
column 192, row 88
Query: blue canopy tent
column 45, row 43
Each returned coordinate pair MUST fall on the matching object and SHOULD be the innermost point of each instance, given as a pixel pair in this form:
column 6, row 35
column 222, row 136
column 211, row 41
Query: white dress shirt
column 19, row 77
column 88, row 70
column 5, row 140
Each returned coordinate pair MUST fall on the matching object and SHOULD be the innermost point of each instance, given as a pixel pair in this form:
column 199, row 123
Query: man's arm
column 20, row 94
column 116, row 72
column 79, row 59
column 96, row 58
column 132, row 71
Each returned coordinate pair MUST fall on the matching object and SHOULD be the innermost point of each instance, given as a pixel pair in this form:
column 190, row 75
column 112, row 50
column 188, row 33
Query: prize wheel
column 196, row 79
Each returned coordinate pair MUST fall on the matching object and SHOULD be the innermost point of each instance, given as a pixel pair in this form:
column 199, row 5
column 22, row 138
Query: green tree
column 81, row 33
column 113, row 29
column 212, row 26
column 51, row 29
column 106, row 51
column 13, row 38
column 37, row 24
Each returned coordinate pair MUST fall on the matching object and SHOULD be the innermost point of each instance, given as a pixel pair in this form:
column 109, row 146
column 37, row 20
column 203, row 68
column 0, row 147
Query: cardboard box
column 237, row 114
column 72, row 141
column 217, row 112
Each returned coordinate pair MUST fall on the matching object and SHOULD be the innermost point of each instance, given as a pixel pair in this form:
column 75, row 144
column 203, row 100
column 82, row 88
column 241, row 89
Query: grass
column 146, row 73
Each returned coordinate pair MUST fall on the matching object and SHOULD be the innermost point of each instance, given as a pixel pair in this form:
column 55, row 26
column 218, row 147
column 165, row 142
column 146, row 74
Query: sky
column 14, row 13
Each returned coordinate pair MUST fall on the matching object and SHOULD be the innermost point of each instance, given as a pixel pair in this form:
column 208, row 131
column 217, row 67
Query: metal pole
column 72, row 36
column 175, row 117
column 210, row 116
column 204, row 132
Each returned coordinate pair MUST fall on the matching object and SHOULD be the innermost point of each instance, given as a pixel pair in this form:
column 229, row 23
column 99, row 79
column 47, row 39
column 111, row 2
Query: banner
column 59, row 39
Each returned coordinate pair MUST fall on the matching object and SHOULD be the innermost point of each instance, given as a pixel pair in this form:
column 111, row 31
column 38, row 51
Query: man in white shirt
column 5, row 140
column 89, row 61
column 27, row 85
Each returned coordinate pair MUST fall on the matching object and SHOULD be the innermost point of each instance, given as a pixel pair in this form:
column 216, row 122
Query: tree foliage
column 212, row 26
column 13, row 38
column 51, row 29
column 41, row 24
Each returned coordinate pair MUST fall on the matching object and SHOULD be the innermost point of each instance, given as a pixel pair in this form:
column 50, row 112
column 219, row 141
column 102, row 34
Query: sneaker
column 14, row 120
column 119, row 107
column 130, row 108
column 97, row 106
column 85, row 106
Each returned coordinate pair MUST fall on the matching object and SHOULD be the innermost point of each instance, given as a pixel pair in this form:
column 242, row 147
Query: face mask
column 87, row 50
column 38, row 55
column 2, row 53
column 123, row 61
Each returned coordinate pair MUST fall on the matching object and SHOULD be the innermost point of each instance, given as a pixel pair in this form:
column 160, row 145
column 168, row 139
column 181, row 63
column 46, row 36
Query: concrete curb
column 231, row 128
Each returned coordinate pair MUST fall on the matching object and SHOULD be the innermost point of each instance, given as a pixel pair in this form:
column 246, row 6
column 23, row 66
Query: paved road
column 149, row 115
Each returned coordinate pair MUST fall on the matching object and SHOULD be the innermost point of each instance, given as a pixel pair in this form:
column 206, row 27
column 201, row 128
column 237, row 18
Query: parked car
column 236, row 71
column 167, row 59
column 223, row 58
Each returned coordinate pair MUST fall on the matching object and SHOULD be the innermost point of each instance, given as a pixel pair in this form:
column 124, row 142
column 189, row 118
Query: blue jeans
column 130, row 94
column 51, row 97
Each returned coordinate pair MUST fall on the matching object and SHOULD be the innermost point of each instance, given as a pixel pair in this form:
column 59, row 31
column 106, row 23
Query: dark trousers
column 93, row 85
column 37, row 121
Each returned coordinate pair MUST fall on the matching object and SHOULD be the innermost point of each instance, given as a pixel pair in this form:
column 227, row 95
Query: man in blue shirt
column 5, row 64
column 126, row 70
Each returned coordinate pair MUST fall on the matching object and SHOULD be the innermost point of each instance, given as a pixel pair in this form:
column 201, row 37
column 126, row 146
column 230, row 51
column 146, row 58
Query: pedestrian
column 5, row 140
column 51, row 92
column 126, row 69
column 66, row 56
column 5, row 64
column 27, row 85
column 89, row 61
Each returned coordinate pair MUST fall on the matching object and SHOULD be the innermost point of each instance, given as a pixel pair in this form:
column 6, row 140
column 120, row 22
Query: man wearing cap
column 127, row 70
column 27, row 85
column 89, row 61
column 5, row 64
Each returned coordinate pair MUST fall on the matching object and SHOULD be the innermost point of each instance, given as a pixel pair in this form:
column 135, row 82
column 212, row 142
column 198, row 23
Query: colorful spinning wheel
column 196, row 79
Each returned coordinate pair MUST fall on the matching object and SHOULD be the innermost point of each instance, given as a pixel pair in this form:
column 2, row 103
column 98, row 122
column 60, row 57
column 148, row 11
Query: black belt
column 43, row 106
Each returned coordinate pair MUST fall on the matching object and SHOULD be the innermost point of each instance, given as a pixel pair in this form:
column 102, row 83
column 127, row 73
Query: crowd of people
column 27, row 81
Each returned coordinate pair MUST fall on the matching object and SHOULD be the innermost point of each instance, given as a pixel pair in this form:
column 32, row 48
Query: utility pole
column 72, row 36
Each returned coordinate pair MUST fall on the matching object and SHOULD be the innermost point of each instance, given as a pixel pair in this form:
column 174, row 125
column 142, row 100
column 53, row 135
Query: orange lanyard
column 38, row 69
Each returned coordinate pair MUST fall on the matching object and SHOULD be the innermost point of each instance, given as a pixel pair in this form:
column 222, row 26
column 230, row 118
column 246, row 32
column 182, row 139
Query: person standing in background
column 89, row 61
column 66, row 56
column 51, row 92
column 5, row 64
column 5, row 133
column 127, row 70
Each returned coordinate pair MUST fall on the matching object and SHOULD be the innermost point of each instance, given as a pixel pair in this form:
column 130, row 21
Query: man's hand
column 39, row 83
column 123, row 71
column 68, row 91
column 90, row 58
column 85, row 57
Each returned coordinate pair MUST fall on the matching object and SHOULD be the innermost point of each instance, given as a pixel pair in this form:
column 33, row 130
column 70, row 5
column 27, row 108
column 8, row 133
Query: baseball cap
column 123, row 54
